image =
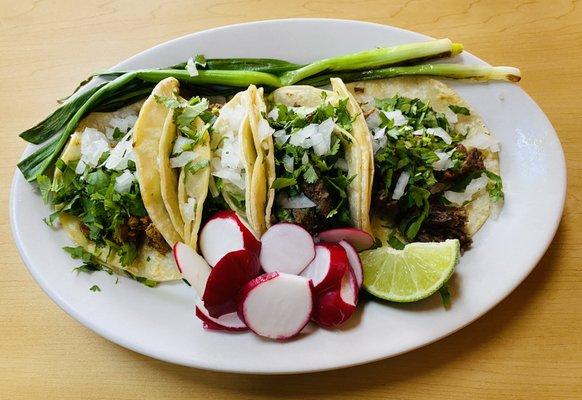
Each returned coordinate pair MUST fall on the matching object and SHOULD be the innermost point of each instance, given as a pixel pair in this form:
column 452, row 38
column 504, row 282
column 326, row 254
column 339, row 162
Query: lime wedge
column 411, row 274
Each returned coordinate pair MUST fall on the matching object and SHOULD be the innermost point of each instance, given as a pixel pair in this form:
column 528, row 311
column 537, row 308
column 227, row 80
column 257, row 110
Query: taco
column 104, row 198
column 436, row 164
column 312, row 161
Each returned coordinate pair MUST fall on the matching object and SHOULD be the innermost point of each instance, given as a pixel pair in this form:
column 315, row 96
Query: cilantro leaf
column 459, row 110
column 95, row 288
column 280, row 183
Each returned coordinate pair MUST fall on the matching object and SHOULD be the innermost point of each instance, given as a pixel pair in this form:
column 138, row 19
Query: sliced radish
column 328, row 267
column 276, row 305
column 356, row 237
column 223, row 233
column 355, row 262
column 226, row 322
column 192, row 266
column 334, row 307
column 227, row 279
column 286, row 248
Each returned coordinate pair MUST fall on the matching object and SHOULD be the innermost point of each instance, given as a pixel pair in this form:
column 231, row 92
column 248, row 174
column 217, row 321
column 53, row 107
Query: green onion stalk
column 370, row 59
column 38, row 162
column 454, row 71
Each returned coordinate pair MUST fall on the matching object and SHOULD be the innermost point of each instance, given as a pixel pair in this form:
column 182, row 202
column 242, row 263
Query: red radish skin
column 225, row 232
column 227, row 322
column 227, row 279
column 276, row 305
column 192, row 266
column 356, row 237
column 355, row 262
column 327, row 268
column 334, row 307
column 286, row 248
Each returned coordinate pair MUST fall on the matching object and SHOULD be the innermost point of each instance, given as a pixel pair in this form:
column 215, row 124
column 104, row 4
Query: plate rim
column 198, row 363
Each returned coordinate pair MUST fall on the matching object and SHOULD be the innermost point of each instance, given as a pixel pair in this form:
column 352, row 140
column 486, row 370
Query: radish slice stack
column 275, row 286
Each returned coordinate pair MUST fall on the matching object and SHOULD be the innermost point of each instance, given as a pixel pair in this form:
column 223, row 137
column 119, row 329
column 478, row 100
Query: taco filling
column 98, row 200
column 311, row 185
column 436, row 171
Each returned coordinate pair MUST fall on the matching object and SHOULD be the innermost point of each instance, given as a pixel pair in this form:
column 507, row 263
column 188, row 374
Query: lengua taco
column 436, row 165
column 306, row 140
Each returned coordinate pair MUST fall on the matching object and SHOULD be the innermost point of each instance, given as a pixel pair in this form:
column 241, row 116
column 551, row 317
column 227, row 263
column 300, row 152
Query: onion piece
column 265, row 129
column 301, row 201
column 182, row 159
column 180, row 144
column 123, row 182
column 93, row 145
column 440, row 132
column 444, row 161
column 396, row 116
column 460, row 198
column 401, row 185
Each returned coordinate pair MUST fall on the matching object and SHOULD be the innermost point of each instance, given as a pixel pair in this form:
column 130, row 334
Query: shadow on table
column 386, row 372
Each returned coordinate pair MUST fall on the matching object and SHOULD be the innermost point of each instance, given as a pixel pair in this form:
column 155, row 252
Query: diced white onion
column 367, row 103
column 189, row 209
column 191, row 67
column 121, row 154
column 288, row 163
column 451, row 117
column 302, row 111
column 418, row 132
column 396, row 117
column 182, row 159
column 80, row 168
column 93, row 145
column 235, row 178
column 122, row 122
column 302, row 137
column 472, row 188
column 321, row 140
column 443, row 163
column 481, row 141
column 301, row 201
column 180, row 144
column 373, row 121
column 273, row 114
column 305, row 158
column 281, row 140
column 265, row 129
column 401, row 185
column 123, row 182
column 440, row 132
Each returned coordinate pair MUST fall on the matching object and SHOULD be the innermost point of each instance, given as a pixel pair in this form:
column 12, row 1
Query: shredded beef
column 473, row 162
column 156, row 240
column 318, row 193
column 445, row 222
column 314, row 219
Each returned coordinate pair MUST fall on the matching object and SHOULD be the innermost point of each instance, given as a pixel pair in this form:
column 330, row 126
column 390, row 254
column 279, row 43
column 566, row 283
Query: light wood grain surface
column 530, row 346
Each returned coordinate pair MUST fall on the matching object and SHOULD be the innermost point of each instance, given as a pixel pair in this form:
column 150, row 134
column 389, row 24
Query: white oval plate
column 160, row 322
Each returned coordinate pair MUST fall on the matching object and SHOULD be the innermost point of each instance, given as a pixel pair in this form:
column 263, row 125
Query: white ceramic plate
column 160, row 322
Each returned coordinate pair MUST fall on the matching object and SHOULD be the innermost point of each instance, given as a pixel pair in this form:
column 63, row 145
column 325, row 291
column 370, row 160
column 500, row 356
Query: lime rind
column 411, row 274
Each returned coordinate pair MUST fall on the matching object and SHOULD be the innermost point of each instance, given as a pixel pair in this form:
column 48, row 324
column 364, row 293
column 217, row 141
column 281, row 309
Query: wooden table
column 530, row 346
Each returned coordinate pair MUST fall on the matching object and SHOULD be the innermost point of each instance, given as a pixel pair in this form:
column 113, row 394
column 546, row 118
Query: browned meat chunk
column 318, row 193
column 473, row 162
column 384, row 205
column 156, row 240
column 445, row 222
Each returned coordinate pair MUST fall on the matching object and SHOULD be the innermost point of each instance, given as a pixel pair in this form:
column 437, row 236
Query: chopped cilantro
column 407, row 147
column 193, row 167
column 495, row 187
column 310, row 167
column 459, row 110
column 101, row 209
column 95, row 288
column 445, row 296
